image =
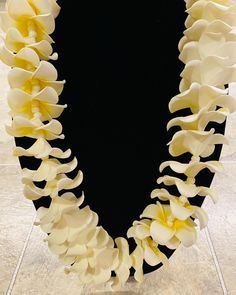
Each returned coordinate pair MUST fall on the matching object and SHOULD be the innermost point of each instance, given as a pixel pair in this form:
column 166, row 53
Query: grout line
column 217, row 265
column 11, row 285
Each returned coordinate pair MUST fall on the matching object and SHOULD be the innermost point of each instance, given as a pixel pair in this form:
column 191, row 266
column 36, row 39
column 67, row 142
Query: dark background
column 121, row 65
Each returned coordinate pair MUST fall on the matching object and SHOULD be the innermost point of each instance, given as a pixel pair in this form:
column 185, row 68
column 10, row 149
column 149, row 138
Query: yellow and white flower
column 43, row 104
column 33, row 82
column 35, row 128
column 167, row 230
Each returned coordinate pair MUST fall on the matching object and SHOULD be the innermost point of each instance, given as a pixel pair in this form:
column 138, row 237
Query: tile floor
column 27, row 267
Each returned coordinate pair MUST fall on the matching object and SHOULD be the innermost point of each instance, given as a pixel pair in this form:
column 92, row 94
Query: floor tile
column 41, row 273
column 16, row 218
column 222, row 223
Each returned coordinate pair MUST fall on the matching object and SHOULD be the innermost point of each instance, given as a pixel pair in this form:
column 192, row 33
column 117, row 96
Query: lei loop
column 208, row 50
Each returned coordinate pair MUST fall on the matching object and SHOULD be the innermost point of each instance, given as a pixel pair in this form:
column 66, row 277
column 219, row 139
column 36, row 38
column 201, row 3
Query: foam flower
column 137, row 257
column 210, row 44
column 192, row 168
column 201, row 8
column 216, row 26
column 195, row 32
column 41, row 149
column 96, row 265
column 31, row 17
column 49, row 169
column 43, row 104
column 40, row 7
column 52, row 188
column 165, row 229
column 180, row 207
column 51, row 215
column 122, row 270
column 211, row 10
column 26, row 58
column 212, row 70
column 186, row 189
column 35, row 128
column 198, row 121
column 203, row 96
column 33, row 82
column 141, row 232
column 15, row 42
column 198, row 143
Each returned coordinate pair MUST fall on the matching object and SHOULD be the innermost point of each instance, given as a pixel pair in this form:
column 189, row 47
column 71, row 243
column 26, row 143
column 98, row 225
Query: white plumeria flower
column 26, row 58
column 212, row 70
column 210, row 43
column 52, row 188
column 15, row 42
column 198, row 143
column 33, row 82
column 122, row 270
column 51, row 215
column 41, row 149
column 137, row 257
column 186, row 189
column 96, row 265
column 35, row 128
column 192, row 168
column 42, row 104
column 198, row 121
column 31, row 17
column 180, row 207
column 211, row 10
column 48, row 170
column 167, row 230
column 200, row 96
column 141, row 232
column 189, row 3
column 216, row 26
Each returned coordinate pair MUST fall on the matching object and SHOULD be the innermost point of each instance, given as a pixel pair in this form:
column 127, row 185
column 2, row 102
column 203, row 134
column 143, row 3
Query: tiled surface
column 222, row 224
column 16, row 218
column 27, row 267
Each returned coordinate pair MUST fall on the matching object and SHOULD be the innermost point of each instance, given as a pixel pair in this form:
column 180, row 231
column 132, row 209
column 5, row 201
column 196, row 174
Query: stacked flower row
column 208, row 52
column 73, row 233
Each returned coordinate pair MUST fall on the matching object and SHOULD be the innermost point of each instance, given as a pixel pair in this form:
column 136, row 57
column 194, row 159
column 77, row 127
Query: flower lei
column 208, row 50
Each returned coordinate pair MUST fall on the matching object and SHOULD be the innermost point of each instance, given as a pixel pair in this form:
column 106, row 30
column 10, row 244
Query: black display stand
column 121, row 65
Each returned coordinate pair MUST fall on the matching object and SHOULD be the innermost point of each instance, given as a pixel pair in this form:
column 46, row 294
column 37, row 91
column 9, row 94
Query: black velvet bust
column 121, row 65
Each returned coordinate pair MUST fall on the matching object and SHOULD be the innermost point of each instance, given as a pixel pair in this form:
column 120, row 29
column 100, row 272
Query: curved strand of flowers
column 208, row 51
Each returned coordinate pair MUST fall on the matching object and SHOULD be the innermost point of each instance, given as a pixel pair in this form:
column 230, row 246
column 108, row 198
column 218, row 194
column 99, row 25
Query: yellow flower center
column 33, row 86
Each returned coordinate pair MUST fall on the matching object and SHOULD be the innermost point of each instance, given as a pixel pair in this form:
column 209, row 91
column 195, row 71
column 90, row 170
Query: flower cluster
column 208, row 50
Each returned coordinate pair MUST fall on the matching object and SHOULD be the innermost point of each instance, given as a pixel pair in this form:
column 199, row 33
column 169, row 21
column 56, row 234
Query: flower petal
column 161, row 233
